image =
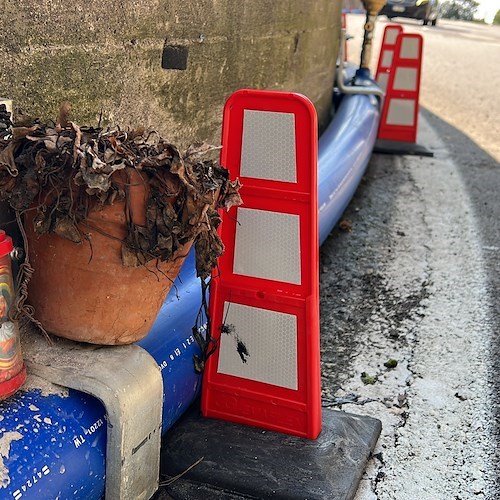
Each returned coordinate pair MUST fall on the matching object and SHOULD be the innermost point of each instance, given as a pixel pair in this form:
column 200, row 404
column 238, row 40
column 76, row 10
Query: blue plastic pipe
column 53, row 445
column 343, row 154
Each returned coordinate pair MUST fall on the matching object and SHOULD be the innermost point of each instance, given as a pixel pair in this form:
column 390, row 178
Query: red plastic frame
column 343, row 25
column 387, row 46
column 403, row 133
column 245, row 401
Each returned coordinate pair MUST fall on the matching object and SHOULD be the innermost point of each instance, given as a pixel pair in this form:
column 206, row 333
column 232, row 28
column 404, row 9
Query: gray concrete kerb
column 126, row 379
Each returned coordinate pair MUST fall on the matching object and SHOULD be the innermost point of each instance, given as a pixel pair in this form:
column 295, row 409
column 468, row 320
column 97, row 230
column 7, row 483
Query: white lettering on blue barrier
column 98, row 423
column 35, row 477
column 78, row 441
column 177, row 352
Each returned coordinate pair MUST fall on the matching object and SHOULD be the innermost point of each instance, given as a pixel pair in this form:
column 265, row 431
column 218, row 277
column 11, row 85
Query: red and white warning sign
column 399, row 121
column 386, row 56
column 265, row 304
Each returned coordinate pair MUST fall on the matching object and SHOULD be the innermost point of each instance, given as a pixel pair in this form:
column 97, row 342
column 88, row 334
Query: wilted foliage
column 59, row 173
column 459, row 9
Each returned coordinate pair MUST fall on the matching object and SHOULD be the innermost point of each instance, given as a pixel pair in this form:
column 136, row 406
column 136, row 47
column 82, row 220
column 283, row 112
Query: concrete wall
column 106, row 57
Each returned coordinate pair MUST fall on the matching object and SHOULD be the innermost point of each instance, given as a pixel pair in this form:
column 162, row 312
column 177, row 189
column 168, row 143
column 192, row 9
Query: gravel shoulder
column 409, row 283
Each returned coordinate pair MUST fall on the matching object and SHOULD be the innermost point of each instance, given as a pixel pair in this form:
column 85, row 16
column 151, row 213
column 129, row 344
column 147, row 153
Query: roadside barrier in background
column 265, row 304
column 386, row 56
column 343, row 25
column 399, row 121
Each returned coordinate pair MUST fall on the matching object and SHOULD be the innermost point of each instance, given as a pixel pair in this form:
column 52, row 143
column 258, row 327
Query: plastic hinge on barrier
column 265, row 304
column 386, row 56
column 399, row 121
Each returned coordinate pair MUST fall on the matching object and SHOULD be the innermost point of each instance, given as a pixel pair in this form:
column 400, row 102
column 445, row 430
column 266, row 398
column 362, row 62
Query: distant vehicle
column 425, row 10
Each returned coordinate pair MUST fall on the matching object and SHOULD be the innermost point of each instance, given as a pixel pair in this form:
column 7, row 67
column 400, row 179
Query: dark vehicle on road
column 424, row 10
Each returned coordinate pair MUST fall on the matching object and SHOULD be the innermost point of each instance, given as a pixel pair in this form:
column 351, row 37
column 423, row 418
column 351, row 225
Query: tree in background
column 496, row 19
column 459, row 9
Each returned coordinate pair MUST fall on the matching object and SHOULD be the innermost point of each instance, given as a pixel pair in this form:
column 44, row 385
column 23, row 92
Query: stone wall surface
column 106, row 58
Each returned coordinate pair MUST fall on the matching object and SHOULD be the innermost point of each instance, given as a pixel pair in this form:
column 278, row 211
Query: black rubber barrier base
column 401, row 148
column 245, row 462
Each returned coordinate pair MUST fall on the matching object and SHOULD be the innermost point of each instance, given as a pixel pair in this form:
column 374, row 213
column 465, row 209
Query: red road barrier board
column 386, row 56
column 265, row 304
column 343, row 26
column 399, row 120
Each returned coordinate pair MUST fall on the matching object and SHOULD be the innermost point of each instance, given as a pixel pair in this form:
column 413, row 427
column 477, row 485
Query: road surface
column 417, row 281
column 461, row 73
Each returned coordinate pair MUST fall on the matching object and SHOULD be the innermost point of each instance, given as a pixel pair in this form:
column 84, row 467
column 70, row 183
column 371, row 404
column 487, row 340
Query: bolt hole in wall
column 174, row 56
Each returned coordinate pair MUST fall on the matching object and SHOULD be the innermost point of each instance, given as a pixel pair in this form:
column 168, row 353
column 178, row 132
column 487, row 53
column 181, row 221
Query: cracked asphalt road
column 410, row 283
column 418, row 281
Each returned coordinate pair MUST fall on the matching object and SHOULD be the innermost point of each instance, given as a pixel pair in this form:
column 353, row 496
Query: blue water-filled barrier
column 344, row 151
column 53, row 445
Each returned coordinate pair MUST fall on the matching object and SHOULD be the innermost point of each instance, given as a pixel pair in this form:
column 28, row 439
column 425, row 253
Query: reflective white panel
column 391, row 36
column 401, row 112
column 268, row 149
column 405, row 79
column 267, row 245
column 259, row 345
column 383, row 79
column 409, row 48
column 387, row 58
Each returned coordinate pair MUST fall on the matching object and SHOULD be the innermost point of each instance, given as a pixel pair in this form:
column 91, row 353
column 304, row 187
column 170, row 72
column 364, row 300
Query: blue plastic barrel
column 54, row 446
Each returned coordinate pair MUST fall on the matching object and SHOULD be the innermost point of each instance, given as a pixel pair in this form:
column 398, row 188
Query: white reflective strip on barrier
column 259, row 345
column 405, row 79
column 383, row 80
column 391, row 36
column 268, row 149
column 387, row 57
column 267, row 245
column 409, row 48
column 401, row 112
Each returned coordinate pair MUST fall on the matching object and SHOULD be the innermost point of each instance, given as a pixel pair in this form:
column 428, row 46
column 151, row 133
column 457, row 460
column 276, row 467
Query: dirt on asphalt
column 408, row 284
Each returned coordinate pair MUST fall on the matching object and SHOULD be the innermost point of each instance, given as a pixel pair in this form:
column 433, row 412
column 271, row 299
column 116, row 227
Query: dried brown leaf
column 7, row 159
column 231, row 197
column 19, row 133
column 209, row 248
column 64, row 112
column 129, row 257
column 345, row 225
column 66, row 228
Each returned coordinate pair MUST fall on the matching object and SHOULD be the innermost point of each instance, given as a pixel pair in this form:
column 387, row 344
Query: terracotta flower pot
column 84, row 292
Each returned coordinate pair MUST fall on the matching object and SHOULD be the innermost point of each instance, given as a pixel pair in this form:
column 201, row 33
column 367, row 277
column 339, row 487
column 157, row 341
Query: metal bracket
column 368, row 88
column 127, row 380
